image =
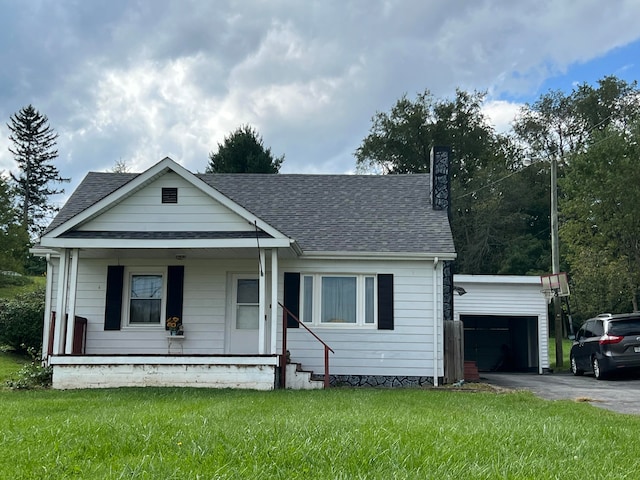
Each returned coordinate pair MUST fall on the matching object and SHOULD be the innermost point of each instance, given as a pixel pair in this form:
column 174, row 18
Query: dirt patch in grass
column 477, row 387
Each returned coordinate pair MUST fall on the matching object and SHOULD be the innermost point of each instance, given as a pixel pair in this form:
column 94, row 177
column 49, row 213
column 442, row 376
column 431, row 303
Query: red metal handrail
column 283, row 359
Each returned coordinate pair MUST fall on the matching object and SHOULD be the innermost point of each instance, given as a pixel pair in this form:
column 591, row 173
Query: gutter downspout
column 435, row 322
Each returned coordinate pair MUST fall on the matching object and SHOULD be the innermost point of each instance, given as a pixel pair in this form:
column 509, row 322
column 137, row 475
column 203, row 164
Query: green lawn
column 171, row 433
column 11, row 291
column 10, row 363
column 566, row 348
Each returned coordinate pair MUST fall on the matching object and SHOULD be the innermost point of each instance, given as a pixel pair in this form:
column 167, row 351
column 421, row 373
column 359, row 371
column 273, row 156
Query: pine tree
column 243, row 152
column 34, row 148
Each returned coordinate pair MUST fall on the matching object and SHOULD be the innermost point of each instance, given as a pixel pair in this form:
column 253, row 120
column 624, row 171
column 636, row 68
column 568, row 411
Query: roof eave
column 341, row 255
column 166, row 243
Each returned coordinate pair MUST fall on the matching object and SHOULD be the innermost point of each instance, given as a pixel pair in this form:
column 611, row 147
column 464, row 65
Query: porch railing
column 284, row 360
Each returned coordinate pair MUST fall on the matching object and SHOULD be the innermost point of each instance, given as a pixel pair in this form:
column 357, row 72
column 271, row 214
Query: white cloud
column 501, row 113
column 138, row 81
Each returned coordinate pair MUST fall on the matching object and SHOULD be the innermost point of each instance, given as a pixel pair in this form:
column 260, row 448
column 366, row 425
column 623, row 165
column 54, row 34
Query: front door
column 243, row 319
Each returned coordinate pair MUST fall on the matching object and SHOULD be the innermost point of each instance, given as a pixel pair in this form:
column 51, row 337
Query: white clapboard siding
column 144, row 211
column 407, row 350
column 204, row 308
column 505, row 295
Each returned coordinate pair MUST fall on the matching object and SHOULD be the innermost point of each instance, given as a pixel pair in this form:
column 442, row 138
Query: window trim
column 126, row 297
column 316, row 300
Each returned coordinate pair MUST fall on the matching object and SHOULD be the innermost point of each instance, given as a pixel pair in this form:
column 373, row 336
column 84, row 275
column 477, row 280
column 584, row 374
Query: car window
column 581, row 333
column 625, row 327
column 588, row 327
column 598, row 328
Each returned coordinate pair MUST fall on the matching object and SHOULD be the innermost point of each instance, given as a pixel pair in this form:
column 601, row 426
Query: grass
column 338, row 433
column 10, row 363
column 566, row 348
column 10, row 291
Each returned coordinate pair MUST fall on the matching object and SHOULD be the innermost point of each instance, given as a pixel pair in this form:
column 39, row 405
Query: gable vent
column 169, row 195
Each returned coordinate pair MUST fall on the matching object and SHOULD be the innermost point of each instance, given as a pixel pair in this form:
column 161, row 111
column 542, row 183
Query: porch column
column 261, row 305
column 274, row 300
column 73, row 283
column 61, row 303
column 47, row 309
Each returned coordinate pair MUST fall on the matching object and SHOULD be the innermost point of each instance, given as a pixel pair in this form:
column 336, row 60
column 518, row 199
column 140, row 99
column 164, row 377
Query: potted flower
column 174, row 325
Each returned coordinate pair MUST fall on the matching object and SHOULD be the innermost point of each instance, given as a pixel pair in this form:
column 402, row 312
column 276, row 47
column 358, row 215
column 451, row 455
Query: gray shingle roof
column 340, row 213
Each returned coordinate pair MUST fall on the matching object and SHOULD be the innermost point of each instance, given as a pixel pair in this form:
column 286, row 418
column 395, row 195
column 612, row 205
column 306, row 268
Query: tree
column 489, row 187
column 34, row 148
column 559, row 124
column 572, row 128
column 601, row 228
column 243, row 151
column 13, row 241
column 120, row 167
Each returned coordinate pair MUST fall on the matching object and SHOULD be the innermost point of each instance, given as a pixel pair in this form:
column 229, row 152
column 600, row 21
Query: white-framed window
column 145, row 297
column 338, row 300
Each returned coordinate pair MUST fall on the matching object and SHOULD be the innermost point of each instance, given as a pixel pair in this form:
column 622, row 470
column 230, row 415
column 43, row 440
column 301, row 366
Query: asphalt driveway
column 621, row 394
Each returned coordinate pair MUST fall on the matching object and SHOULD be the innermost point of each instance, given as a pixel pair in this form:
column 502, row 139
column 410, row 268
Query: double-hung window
column 145, row 302
column 335, row 300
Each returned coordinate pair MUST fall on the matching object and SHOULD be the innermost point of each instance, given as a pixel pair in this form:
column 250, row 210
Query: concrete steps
column 298, row 379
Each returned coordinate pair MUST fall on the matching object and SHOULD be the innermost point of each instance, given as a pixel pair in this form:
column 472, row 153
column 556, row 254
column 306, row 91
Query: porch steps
column 471, row 372
column 298, row 379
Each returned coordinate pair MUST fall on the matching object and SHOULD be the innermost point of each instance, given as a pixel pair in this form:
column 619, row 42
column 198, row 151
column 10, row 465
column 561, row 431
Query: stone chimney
column 441, row 179
column 441, row 200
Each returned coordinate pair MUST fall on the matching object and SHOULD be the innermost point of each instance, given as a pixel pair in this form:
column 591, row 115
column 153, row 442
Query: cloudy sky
column 135, row 81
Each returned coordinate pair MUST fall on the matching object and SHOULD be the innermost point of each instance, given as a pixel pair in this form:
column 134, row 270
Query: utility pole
column 555, row 259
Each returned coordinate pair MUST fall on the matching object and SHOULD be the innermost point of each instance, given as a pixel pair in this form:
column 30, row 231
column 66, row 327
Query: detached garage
column 505, row 322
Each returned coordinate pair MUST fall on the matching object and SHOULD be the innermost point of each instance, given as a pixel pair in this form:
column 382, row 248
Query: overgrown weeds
column 32, row 374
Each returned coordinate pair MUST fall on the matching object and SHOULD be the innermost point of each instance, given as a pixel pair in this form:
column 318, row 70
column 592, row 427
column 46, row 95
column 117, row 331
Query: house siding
column 143, row 211
column 505, row 296
column 204, row 308
column 407, row 350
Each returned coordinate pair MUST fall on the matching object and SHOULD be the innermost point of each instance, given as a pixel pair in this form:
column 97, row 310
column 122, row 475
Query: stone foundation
column 379, row 381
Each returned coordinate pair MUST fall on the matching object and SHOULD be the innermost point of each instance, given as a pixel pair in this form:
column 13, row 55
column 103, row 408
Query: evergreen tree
column 34, row 148
column 243, row 152
column 13, row 239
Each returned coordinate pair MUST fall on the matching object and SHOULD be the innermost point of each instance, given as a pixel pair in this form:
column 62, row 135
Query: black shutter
column 175, row 290
column 292, row 297
column 385, row 301
column 113, row 303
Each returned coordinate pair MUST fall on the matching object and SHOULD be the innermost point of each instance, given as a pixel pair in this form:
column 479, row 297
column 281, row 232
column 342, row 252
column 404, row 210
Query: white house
column 357, row 259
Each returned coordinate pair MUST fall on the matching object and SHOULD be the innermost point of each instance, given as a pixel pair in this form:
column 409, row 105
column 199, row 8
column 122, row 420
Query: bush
column 22, row 320
column 33, row 374
column 9, row 280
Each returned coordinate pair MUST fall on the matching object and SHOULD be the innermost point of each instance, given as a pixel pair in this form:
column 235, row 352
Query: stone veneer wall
column 379, row 381
column 441, row 200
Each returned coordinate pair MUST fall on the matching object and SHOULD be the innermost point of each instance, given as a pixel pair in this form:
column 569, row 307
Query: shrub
column 22, row 320
column 33, row 374
column 8, row 279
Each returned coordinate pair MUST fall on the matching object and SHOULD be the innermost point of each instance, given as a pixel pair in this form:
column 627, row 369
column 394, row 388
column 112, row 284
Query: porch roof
column 322, row 213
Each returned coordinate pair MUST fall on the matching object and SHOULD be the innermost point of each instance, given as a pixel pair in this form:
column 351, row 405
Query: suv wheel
column 574, row 368
column 597, row 371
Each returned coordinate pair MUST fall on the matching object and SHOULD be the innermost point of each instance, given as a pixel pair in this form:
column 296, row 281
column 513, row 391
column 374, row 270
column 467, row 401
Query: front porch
column 253, row 372
column 256, row 372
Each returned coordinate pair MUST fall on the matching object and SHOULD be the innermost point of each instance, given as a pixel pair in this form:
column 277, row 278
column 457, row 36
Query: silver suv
column 606, row 344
